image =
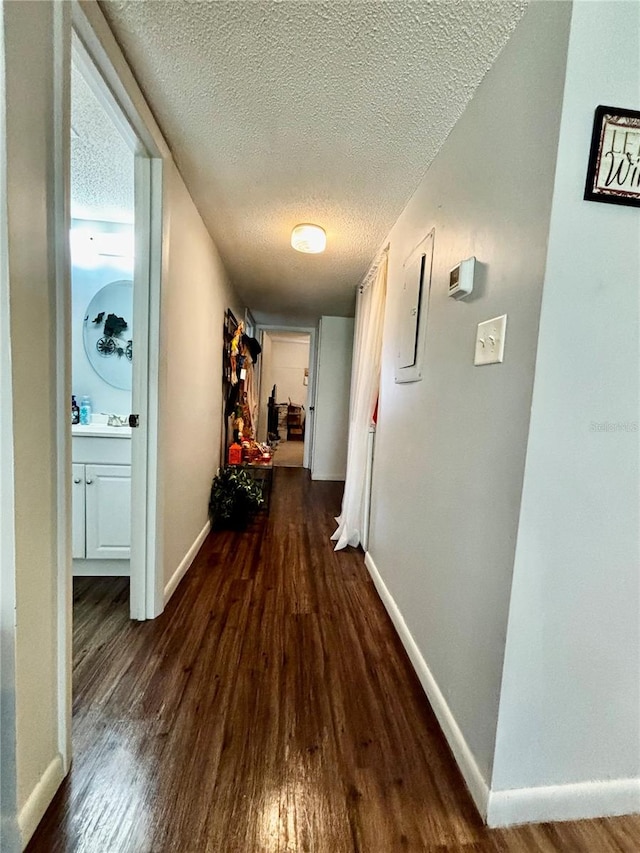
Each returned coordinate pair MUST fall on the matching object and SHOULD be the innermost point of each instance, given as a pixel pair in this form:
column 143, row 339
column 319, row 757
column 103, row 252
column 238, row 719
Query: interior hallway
column 270, row 708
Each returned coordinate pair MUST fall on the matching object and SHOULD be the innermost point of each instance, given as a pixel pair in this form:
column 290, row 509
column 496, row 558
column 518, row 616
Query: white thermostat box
column 461, row 279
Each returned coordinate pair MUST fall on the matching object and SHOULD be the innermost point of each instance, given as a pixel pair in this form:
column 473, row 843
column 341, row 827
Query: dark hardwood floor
column 270, row 709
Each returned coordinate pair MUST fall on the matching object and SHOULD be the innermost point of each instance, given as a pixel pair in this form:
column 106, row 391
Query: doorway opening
column 103, row 331
column 115, row 224
column 78, row 49
column 286, row 395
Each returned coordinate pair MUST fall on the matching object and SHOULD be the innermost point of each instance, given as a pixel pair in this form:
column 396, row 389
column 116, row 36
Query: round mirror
column 108, row 333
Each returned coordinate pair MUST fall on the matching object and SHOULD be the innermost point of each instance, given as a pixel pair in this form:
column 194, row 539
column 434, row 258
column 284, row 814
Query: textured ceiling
column 285, row 111
column 101, row 163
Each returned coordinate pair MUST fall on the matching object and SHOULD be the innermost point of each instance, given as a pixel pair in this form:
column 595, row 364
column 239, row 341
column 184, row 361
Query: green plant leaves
column 235, row 498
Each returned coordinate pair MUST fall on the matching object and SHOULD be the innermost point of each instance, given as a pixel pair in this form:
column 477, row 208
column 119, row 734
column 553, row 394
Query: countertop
column 100, row 431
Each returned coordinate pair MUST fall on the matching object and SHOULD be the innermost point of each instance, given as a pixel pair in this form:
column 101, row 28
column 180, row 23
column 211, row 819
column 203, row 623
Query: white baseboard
column 564, row 802
column 474, row 779
column 524, row 805
column 324, row 475
column 185, row 564
column 33, row 810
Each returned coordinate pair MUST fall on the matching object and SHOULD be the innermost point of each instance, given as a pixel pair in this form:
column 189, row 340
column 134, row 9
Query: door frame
column 312, row 331
column 92, row 28
column 9, row 832
column 82, row 31
column 144, row 438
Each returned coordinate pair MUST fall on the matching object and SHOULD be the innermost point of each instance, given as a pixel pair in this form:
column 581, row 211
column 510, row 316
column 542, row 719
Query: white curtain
column 365, row 383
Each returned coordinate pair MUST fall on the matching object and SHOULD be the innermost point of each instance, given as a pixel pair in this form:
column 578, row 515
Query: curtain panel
column 365, row 384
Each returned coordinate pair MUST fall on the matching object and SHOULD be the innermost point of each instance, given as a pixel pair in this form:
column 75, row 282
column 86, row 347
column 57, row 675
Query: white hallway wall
column 195, row 293
column 570, row 706
column 564, row 696
column 29, row 71
column 8, row 826
column 450, row 449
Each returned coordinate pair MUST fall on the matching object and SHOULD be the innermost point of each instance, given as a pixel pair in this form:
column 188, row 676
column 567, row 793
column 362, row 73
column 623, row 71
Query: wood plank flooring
column 270, row 709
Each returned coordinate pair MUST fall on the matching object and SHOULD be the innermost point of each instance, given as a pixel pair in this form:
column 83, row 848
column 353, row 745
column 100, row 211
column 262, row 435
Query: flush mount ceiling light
column 308, row 238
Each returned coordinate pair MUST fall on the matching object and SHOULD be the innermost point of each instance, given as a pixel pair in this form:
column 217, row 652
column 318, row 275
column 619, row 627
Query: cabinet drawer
column 108, row 451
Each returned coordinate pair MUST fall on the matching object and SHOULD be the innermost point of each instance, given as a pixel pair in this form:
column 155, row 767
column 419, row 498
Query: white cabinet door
column 108, row 508
column 78, row 516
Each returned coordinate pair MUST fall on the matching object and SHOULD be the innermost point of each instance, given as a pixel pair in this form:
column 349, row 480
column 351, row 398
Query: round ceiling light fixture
column 308, row 238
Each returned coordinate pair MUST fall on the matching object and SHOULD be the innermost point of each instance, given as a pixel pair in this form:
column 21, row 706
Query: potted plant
column 235, row 498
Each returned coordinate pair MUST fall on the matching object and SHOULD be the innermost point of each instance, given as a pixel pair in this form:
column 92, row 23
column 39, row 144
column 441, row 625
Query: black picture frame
column 613, row 173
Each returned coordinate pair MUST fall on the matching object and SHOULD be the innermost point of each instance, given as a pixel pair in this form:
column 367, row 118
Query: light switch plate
column 490, row 341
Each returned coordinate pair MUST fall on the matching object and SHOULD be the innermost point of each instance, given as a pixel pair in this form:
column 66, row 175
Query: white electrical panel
column 413, row 311
column 410, row 313
column 461, row 279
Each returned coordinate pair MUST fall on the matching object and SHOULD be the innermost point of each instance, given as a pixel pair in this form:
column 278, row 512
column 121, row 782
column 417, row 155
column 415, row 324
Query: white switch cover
column 490, row 341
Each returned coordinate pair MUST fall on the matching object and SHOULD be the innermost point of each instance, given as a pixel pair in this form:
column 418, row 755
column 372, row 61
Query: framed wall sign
column 613, row 175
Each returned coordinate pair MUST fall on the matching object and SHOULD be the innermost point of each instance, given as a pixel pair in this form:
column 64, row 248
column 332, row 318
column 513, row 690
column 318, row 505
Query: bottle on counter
column 75, row 411
column 85, row 411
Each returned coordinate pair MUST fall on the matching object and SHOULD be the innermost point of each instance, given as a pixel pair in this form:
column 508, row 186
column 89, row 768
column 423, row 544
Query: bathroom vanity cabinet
column 101, row 498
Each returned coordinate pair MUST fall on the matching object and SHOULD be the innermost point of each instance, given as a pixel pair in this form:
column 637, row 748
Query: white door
column 332, row 390
column 108, row 511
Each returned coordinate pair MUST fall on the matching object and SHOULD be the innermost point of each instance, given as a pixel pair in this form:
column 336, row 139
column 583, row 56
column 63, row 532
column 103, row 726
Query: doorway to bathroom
column 115, row 227
column 102, row 333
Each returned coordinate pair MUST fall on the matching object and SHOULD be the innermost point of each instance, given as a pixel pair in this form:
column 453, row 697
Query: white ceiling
column 285, row 111
column 101, row 163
